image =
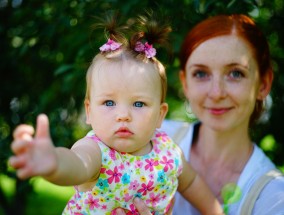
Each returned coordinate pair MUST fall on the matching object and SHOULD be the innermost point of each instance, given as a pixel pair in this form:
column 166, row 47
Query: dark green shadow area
column 46, row 199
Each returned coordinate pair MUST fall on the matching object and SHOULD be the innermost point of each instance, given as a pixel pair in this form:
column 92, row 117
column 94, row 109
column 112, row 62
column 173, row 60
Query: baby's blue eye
column 109, row 103
column 138, row 104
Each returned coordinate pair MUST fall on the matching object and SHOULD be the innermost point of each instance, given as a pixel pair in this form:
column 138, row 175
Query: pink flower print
column 138, row 164
column 71, row 201
column 169, row 153
column 132, row 211
column 151, row 164
column 146, row 188
column 127, row 197
column 70, row 204
column 121, row 167
column 168, row 163
column 112, row 154
column 168, row 207
column 104, row 207
column 163, row 136
column 93, row 203
column 151, row 176
column 115, row 175
column 103, row 170
column 78, row 207
column 154, row 200
column 133, row 185
column 128, row 163
column 155, row 142
column 156, row 147
column 95, row 138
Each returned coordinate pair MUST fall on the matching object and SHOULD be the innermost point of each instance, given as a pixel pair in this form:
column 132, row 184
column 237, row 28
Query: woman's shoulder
column 172, row 126
column 271, row 198
column 259, row 175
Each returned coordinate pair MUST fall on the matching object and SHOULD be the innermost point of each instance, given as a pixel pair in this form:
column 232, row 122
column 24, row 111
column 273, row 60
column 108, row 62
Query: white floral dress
column 152, row 177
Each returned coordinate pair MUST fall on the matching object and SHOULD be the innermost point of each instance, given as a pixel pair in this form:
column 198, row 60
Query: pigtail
column 113, row 29
column 145, row 33
column 149, row 33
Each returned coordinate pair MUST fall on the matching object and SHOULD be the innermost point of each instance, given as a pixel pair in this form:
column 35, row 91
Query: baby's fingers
column 25, row 173
column 20, row 146
column 17, row 162
column 20, row 164
column 23, row 132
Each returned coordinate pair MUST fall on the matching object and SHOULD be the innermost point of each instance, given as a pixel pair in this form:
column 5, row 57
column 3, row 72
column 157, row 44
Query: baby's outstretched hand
column 34, row 155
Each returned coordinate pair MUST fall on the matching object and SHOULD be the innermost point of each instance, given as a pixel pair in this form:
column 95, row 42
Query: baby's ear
column 87, row 111
column 163, row 112
column 265, row 85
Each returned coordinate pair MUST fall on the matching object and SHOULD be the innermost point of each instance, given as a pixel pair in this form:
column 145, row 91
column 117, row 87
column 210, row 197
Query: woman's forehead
column 228, row 49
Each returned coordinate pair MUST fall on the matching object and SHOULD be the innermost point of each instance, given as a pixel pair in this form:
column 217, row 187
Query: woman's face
column 222, row 83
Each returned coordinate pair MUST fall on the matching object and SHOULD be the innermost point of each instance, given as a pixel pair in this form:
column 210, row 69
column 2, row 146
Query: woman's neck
column 225, row 148
column 220, row 157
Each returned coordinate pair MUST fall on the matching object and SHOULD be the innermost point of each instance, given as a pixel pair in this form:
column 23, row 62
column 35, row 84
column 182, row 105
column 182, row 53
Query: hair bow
column 110, row 45
column 146, row 48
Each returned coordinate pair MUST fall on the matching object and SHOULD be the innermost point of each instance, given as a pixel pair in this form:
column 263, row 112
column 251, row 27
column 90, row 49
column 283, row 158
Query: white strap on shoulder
column 180, row 133
column 256, row 189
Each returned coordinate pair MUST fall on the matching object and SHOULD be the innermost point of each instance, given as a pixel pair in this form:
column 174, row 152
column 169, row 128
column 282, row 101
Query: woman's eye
column 236, row 74
column 200, row 74
column 138, row 104
column 109, row 103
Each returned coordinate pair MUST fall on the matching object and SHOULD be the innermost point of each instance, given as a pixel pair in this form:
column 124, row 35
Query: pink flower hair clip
column 110, row 45
column 146, row 48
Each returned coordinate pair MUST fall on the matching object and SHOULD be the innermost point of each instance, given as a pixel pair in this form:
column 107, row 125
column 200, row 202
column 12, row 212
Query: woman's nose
column 217, row 89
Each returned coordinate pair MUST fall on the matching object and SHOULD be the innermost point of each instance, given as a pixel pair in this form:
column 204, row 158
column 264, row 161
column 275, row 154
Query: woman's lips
column 218, row 111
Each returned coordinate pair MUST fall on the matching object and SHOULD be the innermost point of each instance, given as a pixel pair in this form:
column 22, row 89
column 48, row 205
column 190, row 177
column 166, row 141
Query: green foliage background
column 46, row 47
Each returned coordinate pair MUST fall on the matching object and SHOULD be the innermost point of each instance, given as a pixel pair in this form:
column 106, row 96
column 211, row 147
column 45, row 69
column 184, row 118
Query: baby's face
column 125, row 105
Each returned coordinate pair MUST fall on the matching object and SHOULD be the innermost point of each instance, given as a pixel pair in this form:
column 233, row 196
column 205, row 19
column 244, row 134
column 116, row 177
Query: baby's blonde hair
column 123, row 55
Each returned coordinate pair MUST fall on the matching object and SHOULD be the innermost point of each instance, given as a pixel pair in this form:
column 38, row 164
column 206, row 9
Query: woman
column 226, row 75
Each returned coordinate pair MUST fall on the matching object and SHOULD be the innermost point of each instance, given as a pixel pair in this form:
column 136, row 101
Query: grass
column 47, row 198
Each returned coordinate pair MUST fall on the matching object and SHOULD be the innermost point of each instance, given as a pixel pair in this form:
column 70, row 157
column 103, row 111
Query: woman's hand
column 142, row 208
column 139, row 204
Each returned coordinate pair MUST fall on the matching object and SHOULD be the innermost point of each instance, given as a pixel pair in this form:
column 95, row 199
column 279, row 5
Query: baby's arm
column 36, row 156
column 196, row 191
